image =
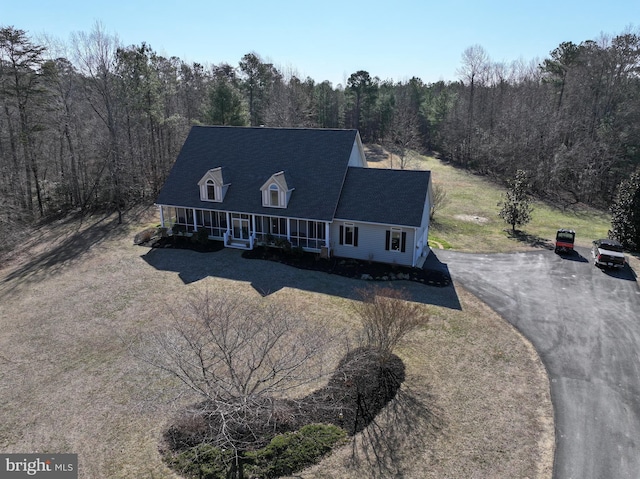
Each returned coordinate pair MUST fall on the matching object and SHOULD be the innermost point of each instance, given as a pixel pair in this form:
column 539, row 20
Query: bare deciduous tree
column 243, row 359
column 405, row 136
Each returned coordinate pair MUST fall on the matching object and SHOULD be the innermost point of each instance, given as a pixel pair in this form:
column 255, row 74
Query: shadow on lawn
column 71, row 237
column 338, row 276
column 531, row 240
column 375, row 153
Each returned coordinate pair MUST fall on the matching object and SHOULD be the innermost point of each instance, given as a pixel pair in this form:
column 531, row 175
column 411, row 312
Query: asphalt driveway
column 585, row 324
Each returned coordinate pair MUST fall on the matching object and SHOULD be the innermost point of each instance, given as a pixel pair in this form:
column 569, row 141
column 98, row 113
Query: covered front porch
column 244, row 231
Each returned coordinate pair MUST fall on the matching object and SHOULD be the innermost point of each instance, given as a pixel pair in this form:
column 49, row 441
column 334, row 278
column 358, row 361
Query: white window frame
column 274, row 189
column 394, row 232
column 210, row 187
column 352, row 227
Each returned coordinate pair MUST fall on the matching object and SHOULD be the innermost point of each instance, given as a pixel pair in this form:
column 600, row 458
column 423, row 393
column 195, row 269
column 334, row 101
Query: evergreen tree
column 625, row 212
column 516, row 205
column 225, row 105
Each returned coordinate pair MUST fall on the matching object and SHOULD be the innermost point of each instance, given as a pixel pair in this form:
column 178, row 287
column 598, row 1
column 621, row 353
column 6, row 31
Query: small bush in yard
column 202, row 236
column 293, row 451
column 203, row 461
column 285, row 454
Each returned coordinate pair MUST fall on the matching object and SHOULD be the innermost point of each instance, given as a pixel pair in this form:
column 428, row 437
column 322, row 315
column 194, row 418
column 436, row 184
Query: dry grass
column 76, row 294
column 487, row 411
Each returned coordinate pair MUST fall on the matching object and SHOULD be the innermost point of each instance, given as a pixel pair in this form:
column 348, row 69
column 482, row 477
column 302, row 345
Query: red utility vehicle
column 564, row 241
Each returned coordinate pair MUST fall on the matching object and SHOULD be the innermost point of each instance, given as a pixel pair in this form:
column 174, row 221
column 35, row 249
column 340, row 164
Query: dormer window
column 211, row 190
column 212, row 186
column 276, row 192
column 274, row 195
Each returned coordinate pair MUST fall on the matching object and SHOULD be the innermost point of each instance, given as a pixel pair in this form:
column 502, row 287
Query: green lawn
column 469, row 220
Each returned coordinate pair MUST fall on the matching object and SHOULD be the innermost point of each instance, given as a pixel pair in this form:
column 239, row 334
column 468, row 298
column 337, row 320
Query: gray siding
column 371, row 244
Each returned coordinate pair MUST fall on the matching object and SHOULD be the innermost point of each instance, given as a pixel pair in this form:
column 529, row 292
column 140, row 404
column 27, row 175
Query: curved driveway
column 585, row 324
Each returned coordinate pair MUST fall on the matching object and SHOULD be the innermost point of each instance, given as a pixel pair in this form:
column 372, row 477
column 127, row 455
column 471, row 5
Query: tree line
column 94, row 124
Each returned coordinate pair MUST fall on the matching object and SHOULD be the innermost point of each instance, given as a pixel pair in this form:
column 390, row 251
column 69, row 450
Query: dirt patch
column 479, row 220
column 68, row 383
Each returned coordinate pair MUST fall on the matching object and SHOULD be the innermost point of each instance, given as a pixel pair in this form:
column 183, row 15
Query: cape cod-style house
column 311, row 187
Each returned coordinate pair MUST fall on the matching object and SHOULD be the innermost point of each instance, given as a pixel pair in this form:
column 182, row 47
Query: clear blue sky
column 328, row 39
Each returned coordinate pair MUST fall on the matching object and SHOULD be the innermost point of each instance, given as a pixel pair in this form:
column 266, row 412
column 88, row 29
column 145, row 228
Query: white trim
column 390, row 225
column 328, row 222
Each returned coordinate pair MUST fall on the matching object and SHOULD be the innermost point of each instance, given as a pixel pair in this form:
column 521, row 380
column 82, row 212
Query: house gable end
column 357, row 157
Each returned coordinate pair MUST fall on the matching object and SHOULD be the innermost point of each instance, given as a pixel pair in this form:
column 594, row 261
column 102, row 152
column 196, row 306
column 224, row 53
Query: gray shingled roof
column 315, row 161
column 391, row 197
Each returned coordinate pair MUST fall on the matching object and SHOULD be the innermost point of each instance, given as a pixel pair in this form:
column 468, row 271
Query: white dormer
column 212, row 186
column 276, row 192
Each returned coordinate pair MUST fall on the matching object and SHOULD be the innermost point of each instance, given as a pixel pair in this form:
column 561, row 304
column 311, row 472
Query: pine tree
column 625, row 212
column 516, row 205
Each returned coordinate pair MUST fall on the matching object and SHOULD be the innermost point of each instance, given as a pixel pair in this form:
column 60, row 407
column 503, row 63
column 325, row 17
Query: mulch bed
column 184, row 242
column 351, row 268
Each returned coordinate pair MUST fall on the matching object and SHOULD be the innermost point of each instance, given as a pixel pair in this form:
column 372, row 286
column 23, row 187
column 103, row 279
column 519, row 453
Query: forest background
column 93, row 124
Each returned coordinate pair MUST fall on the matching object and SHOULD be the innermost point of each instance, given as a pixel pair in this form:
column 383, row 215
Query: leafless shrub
column 438, row 200
column 144, row 236
column 387, row 317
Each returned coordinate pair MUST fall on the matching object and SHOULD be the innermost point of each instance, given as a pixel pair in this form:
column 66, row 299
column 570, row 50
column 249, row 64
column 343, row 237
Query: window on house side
column 349, row 234
column 396, row 240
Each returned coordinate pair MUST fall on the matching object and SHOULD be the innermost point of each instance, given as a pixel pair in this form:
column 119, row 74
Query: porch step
column 239, row 245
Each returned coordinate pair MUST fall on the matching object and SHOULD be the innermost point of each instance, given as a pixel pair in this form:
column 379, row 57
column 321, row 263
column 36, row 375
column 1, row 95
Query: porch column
column 288, row 229
column 417, row 250
column 327, row 235
column 195, row 220
column 162, row 216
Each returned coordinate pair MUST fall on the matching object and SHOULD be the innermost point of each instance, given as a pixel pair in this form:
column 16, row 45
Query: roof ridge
column 295, row 128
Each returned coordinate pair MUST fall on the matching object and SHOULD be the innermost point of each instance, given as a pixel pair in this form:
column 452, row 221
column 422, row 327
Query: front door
column 240, row 228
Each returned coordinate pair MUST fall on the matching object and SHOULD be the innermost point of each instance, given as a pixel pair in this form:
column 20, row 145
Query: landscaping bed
column 350, row 268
